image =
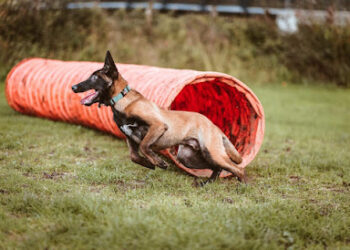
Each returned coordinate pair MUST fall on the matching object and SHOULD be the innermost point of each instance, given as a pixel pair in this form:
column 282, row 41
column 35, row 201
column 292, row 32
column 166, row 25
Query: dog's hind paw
column 199, row 183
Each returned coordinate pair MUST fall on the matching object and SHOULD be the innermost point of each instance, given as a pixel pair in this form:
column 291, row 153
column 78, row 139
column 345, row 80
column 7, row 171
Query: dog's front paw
column 163, row 165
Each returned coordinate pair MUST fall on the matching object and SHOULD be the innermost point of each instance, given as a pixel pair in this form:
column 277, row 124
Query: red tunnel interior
column 225, row 106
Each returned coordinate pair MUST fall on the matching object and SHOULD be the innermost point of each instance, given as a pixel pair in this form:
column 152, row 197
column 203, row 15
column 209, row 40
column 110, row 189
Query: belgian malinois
column 150, row 129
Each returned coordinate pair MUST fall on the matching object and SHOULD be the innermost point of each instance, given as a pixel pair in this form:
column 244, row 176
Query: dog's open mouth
column 90, row 98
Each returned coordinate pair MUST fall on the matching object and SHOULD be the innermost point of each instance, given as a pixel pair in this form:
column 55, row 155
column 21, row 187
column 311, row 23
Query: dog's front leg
column 154, row 133
column 136, row 157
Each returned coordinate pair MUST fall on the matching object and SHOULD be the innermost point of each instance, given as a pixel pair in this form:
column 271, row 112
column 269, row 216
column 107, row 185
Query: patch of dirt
column 346, row 184
column 296, row 179
column 130, row 185
column 54, row 175
column 15, row 236
column 3, row 191
column 288, row 149
column 326, row 209
column 338, row 189
column 28, row 174
column 227, row 200
column 97, row 189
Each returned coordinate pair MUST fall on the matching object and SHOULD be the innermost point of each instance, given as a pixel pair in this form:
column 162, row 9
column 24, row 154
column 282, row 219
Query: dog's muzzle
column 75, row 88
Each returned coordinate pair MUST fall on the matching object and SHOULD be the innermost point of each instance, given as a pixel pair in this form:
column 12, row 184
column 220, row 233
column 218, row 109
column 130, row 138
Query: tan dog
column 149, row 128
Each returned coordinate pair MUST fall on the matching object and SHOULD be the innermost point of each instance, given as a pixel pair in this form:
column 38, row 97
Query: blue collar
column 116, row 98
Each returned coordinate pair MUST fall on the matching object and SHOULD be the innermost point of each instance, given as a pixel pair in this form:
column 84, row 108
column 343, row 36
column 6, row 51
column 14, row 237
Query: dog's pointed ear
column 109, row 66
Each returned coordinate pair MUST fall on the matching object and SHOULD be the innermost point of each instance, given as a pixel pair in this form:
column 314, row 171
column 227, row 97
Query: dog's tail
column 231, row 150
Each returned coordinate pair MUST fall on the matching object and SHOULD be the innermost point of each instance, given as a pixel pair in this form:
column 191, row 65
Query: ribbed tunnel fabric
column 42, row 87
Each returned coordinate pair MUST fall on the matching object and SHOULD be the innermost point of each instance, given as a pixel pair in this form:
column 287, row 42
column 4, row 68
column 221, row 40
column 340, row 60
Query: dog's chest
column 132, row 128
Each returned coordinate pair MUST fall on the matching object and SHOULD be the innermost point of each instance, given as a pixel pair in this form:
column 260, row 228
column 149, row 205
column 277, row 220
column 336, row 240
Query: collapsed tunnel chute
column 42, row 87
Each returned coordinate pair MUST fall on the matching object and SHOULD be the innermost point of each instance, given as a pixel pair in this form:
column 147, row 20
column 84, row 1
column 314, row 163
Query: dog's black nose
column 75, row 88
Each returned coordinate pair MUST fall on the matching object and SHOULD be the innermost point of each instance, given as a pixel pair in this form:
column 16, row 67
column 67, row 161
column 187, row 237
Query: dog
column 149, row 129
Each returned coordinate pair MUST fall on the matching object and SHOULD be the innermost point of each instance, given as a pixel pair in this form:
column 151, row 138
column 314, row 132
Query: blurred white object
column 287, row 21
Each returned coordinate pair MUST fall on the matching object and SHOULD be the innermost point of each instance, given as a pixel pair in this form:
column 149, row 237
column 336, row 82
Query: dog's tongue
column 89, row 98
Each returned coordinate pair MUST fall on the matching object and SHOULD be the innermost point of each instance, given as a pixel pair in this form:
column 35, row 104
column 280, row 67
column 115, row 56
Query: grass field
column 66, row 186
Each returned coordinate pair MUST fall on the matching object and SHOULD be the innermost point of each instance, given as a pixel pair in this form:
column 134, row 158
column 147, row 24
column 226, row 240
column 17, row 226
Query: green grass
column 66, row 186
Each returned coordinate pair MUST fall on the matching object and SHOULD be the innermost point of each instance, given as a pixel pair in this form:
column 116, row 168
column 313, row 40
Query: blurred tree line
column 252, row 49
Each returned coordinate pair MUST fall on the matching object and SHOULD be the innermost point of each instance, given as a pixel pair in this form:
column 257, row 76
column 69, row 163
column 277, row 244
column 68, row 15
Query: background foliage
column 250, row 49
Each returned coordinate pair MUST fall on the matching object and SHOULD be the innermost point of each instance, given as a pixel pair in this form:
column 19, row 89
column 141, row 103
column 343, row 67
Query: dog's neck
column 132, row 95
column 119, row 85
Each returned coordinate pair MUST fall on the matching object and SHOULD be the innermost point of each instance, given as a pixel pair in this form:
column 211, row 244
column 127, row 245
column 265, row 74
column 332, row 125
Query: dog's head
column 102, row 81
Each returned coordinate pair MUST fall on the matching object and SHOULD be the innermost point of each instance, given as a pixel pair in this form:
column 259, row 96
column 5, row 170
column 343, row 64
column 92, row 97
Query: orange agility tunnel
column 42, row 87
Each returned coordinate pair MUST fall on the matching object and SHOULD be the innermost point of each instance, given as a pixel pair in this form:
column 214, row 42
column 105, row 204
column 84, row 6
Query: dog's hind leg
column 214, row 151
column 136, row 157
column 231, row 151
column 220, row 159
column 214, row 175
column 192, row 158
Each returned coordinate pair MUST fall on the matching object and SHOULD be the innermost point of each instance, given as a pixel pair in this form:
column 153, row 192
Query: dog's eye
column 94, row 78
